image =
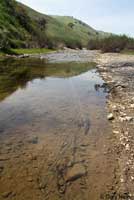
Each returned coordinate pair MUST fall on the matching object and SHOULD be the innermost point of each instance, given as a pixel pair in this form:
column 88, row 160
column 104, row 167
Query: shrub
column 71, row 25
column 4, row 40
column 113, row 43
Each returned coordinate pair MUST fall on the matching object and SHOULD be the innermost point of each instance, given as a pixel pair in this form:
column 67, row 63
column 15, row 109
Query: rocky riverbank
column 69, row 55
column 118, row 72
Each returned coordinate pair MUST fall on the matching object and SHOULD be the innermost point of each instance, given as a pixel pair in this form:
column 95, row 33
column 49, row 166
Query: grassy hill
column 23, row 27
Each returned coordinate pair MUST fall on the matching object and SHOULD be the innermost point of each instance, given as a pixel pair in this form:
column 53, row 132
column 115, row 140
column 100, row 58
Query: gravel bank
column 118, row 72
column 70, row 55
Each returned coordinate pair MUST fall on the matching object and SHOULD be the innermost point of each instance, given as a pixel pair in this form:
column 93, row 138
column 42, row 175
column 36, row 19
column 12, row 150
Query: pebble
column 116, row 132
column 30, row 179
column 132, row 106
column 127, row 147
column 110, row 116
column 129, row 118
column 122, row 119
column 114, row 107
column 122, row 180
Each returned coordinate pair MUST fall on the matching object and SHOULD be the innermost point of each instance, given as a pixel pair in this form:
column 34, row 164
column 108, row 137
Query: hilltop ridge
column 23, row 27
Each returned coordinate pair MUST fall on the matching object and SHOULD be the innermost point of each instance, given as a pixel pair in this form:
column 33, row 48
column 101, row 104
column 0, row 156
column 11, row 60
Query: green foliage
column 31, row 51
column 71, row 25
column 113, row 43
column 23, row 18
column 22, row 27
column 4, row 40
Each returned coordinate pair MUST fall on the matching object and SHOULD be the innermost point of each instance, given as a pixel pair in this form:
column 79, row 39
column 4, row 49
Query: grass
column 2, row 54
column 23, row 27
column 32, row 51
column 128, row 52
column 113, row 43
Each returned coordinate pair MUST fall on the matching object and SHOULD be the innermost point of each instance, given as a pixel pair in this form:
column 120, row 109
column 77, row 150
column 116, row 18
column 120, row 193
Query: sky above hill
column 107, row 15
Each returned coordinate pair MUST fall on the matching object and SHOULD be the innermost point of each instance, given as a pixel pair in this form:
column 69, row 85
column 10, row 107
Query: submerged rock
column 75, row 172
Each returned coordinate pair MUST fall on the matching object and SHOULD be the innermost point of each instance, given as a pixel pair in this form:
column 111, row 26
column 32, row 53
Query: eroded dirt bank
column 118, row 72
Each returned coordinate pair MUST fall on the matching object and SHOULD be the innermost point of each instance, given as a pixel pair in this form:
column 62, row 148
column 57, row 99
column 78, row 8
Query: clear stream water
column 51, row 95
column 52, row 117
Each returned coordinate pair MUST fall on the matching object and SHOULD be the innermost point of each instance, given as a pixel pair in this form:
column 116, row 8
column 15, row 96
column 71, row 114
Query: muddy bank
column 118, row 72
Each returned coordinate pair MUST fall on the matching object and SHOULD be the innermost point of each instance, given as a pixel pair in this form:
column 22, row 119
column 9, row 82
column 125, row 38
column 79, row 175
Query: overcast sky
column 115, row 16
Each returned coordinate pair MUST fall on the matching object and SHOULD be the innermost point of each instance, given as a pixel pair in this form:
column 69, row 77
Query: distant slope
column 74, row 29
column 21, row 26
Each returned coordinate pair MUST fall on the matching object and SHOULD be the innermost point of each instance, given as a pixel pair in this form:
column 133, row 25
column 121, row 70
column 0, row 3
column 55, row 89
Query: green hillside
column 22, row 27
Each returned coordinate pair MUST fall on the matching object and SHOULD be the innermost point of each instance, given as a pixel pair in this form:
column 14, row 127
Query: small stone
column 62, row 189
column 122, row 114
column 127, row 147
column 114, row 107
column 116, row 132
column 122, row 180
column 75, row 172
column 121, row 119
column 110, row 116
column 30, row 179
column 132, row 106
column 129, row 118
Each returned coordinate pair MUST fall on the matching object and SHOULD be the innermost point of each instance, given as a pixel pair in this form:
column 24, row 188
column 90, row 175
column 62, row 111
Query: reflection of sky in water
column 53, row 101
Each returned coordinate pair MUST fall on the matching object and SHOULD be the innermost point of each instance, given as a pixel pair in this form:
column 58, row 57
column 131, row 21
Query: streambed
column 55, row 140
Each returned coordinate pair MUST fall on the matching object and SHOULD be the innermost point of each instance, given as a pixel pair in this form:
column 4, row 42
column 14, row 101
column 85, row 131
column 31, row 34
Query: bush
column 4, row 40
column 113, row 43
column 71, row 25
column 73, row 44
